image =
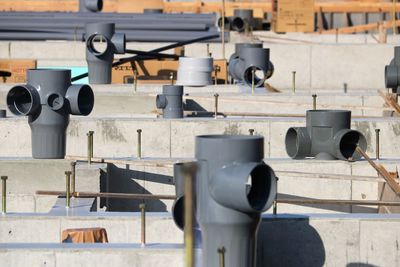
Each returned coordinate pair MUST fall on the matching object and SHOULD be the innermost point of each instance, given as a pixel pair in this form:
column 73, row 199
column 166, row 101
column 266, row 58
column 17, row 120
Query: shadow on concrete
column 358, row 264
column 125, row 180
column 289, row 243
column 337, row 208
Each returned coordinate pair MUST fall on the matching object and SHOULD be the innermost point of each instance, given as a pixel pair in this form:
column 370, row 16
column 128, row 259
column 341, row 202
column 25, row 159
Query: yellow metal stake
column 223, row 29
column 4, row 194
column 139, row 143
column 135, row 77
column 189, row 170
column 314, row 96
column 216, row 105
column 90, row 146
column 251, row 131
column 171, row 77
column 73, row 168
column 221, row 252
column 377, row 143
column 142, row 208
column 67, row 189
column 294, row 81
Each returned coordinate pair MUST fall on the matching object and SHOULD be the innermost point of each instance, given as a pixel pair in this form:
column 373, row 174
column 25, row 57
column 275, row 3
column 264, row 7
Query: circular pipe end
column 178, row 212
column 23, row 100
column 80, row 99
column 346, row 143
column 297, row 143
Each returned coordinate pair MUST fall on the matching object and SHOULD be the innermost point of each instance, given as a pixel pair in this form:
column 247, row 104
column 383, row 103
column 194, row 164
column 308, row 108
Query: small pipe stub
column 241, row 19
column 327, row 136
column 101, row 44
column 392, row 72
column 48, row 99
column 90, row 5
column 170, row 101
column 195, row 71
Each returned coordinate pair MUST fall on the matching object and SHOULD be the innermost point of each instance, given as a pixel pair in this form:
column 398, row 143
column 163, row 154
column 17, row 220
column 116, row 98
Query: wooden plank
column 363, row 27
column 388, row 98
column 293, row 16
column 106, row 195
column 393, row 184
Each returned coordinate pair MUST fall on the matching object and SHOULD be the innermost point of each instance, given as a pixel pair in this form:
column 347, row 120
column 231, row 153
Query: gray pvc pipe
column 249, row 57
column 170, row 101
column 327, row 136
column 90, row 5
column 234, row 186
column 48, row 99
column 240, row 18
column 100, row 62
column 392, row 72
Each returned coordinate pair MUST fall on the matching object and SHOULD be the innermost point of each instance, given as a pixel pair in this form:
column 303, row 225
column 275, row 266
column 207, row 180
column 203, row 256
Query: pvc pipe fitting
column 234, row 186
column 100, row 61
column 90, row 5
column 240, row 18
column 48, row 99
column 327, row 136
column 195, row 71
column 170, row 101
column 227, row 23
column 249, row 58
column 392, row 72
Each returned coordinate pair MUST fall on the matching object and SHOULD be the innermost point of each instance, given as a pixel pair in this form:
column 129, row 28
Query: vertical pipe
column 73, row 169
column 4, row 193
column 377, row 143
column 142, row 207
column 208, row 50
column 139, row 143
column 216, row 70
column 314, row 96
column 189, row 214
column 221, row 252
column 251, row 131
column 294, row 81
column 216, row 105
column 67, row 189
column 345, row 88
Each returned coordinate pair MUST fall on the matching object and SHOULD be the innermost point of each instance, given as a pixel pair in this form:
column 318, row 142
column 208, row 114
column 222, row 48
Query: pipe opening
column 85, row 100
column 349, row 142
column 55, row 101
column 292, row 143
column 178, row 212
column 238, row 24
column 226, row 22
column 20, row 100
column 259, row 76
column 258, row 187
column 97, row 44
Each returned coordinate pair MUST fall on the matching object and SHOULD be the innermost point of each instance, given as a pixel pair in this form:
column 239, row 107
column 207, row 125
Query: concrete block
column 34, row 258
column 183, row 132
column 47, row 50
column 289, row 58
column 379, row 243
column 14, row 138
column 333, row 65
column 121, row 135
column 4, row 50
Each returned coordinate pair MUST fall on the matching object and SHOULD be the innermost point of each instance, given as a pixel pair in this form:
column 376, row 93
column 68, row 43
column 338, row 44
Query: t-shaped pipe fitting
column 234, row 186
column 170, row 101
column 48, row 99
column 90, row 5
column 100, row 60
column 327, row 136
column 250, row 61
column 392, row 72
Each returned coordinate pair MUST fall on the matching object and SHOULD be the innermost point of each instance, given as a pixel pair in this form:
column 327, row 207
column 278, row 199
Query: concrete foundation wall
column 284, row 240
column 117, row 137
column 318, row 66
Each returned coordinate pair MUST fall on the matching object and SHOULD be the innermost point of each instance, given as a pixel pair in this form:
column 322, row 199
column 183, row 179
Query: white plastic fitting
column 195, row 71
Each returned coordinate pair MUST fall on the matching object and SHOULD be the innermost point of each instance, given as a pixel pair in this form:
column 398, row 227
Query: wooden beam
column 301, row 201
column 106, row 195
column 363, row 27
